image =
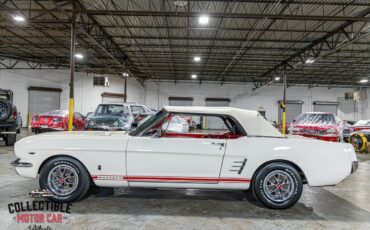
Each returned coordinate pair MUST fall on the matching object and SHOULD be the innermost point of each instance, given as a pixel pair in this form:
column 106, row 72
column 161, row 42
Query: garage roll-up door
column 325, row 106
column 180, row 101
column 42, row 100
column 112, row 98
column 215, row 122
column 293, row 109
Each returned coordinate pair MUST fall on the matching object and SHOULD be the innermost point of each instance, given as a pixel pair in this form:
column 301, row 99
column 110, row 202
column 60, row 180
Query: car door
column 174, row 159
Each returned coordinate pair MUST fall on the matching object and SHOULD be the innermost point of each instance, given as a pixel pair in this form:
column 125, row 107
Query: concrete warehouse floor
column 345, row 206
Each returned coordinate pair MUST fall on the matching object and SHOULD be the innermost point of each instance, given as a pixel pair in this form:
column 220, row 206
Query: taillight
column 15, row 114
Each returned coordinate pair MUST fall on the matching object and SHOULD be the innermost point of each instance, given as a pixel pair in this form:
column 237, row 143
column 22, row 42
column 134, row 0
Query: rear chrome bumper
column 18, row 163
column 354, row 166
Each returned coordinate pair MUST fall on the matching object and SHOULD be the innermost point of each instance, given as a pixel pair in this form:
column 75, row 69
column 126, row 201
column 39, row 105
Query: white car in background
column 247, row 152
column 176, row 124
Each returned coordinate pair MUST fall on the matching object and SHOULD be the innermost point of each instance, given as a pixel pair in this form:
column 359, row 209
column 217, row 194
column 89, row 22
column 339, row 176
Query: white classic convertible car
column 225, row 148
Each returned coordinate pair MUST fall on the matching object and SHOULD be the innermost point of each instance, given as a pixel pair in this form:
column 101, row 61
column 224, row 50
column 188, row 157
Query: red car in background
column 56, row 120
column 318, row 125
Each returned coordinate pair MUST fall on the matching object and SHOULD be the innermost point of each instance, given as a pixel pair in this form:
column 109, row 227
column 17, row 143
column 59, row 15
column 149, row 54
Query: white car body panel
column 174, row 157
column 126, row 160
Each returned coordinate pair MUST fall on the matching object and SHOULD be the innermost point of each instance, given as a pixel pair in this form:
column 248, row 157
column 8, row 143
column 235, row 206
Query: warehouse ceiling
column 313, row 42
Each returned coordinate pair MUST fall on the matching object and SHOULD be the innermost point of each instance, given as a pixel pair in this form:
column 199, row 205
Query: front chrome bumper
column 18, row 163
column 354, row 166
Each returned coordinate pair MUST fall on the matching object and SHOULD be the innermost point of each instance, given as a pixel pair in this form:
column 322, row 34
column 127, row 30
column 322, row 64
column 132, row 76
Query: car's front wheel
column 66, row 178
column 278, row 185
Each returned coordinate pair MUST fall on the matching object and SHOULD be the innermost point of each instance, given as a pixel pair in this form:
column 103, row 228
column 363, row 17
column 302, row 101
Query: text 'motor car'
column 227, row 148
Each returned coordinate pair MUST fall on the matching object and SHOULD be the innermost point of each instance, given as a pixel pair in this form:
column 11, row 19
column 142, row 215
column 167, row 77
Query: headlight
column 294, row 129
column 91, row 123
column 115, row 123
column 332, row 131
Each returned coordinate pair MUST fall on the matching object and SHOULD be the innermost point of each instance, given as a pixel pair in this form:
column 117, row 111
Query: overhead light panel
column 194, row 76
column 125, row 74
column 180, row 3
column 203, row 20
column 19, row 18
column 364, row 81
column 79, row 56
column 310, row 61
column 197, row 59
column 277, row 78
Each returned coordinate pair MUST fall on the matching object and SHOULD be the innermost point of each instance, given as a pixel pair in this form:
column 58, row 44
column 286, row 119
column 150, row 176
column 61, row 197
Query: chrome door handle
column 217, row 143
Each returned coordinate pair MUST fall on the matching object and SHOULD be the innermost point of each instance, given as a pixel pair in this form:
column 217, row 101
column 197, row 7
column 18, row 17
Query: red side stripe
column 185, row 179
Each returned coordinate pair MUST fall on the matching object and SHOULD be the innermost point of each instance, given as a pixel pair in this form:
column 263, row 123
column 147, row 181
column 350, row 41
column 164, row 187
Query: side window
column 199, row 126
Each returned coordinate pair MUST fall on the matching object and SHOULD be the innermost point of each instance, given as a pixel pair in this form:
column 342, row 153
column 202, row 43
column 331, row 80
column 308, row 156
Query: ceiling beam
column 193, row 14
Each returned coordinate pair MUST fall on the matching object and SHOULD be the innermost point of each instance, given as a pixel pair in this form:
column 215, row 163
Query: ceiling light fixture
column 197, row 59
column 277, row 78
column 125, row 74
column 194, row 76
column 79, row 56
column 364, row 81
column 180, row 3
column 203, row 20
column 310, row 61
column 19, row 18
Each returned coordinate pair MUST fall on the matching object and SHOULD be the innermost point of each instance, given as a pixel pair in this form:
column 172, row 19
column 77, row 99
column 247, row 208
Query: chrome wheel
column 278, row 186
column 62, row 180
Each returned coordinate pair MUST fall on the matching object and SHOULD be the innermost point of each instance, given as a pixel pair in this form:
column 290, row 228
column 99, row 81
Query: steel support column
column 72, row 69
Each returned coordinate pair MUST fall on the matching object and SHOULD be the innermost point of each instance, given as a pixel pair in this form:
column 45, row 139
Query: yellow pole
column 283, row 118
column 72, row 69
column 283, row 106
column 70, row 117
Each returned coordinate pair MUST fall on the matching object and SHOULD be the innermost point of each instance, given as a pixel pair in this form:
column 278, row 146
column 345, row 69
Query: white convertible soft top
column 253, row 123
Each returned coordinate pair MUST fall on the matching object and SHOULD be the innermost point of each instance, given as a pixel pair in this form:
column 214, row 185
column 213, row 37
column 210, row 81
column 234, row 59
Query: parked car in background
column 236, row 150
column 360, row 125
column 8, row 117
column 117, row 116
column 56, row 120
column 346, row 133
column 140, row 112
column 319, row 125
column 177, row 124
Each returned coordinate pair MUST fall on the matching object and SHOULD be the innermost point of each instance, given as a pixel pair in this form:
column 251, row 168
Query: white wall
column 155, row 95
column 242, row 96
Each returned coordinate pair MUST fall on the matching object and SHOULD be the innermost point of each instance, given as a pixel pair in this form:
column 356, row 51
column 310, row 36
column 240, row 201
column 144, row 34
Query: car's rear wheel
column 10, row 139
column 278, row 185
column 66, row 178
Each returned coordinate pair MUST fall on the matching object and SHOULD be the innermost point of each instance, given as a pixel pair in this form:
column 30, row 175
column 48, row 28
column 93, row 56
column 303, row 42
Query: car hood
column 66, row 141
column 79, row 133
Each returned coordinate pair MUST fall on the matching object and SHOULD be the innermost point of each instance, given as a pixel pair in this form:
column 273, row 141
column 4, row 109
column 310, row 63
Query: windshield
column 149, row 122
column 362, row 122
column 315, row 119
column 112, row 110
